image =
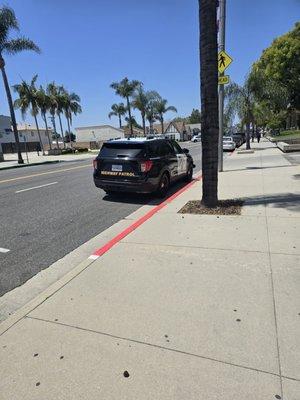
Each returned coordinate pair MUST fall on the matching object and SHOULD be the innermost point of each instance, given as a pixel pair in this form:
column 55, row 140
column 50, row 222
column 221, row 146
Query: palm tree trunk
column 144, row 124
column 120, row 121
column 12, row 111
column 162, row 124
column 47, row 130
column 54, row 126
column 61, row 130
column 129, row 113
column 39, row 135
column 209, row 100
column 69, row 130
column 248, row 136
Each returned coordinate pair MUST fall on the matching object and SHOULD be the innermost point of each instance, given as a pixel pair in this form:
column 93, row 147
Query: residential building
column 137, row 132
column 28, row 136
column 93, row 136
column 172, row 129
column 193, row 129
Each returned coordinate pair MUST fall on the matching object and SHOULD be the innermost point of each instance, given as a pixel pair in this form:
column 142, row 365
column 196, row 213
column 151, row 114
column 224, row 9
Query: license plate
column 116, row 168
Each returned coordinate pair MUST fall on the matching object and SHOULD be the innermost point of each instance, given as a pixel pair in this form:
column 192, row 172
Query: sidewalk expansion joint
column 272, row 284
column 156, row 346
column 123, row 241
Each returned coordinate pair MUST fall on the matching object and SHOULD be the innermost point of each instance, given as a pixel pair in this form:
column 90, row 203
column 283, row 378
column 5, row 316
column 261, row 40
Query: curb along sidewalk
column 183, row 307
column 12, row 162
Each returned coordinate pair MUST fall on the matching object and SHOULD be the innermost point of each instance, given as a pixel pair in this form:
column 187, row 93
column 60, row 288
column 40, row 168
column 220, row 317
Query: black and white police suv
column 141, row 165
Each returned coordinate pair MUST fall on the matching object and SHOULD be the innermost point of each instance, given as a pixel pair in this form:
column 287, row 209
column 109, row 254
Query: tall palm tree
column 51, row 92
column 44, row 105
column 71, row 106
column 118, row 110
column 140, row 102
column 160, row 107
column 28, row 99
column 8, row 22
column 126, row 88
column 209, row 100
column 143, row 101
column 60, row 101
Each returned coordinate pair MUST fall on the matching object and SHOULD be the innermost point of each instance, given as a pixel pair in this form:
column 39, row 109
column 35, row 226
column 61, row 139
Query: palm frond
column 112, row 114
column 15, row 46
column 8, row 21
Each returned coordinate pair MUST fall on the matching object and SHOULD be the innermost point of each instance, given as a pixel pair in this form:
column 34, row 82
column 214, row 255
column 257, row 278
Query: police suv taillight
column 146, row 165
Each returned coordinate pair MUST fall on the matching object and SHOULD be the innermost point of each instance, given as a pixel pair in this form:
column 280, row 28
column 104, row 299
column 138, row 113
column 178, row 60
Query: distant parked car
column 196, row 138
column 238, row 139
column 228, row 143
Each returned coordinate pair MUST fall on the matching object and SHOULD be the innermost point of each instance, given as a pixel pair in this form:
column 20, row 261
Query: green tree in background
column 195, row 117
column 118, row 110
column 126, row 88
column 281, row 63
column 28, row 99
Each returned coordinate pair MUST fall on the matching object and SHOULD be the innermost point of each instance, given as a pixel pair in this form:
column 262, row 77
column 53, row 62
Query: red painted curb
column 102, row 250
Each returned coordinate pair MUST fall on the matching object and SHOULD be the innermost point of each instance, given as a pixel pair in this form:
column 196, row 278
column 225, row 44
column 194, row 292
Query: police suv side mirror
column 186, row 151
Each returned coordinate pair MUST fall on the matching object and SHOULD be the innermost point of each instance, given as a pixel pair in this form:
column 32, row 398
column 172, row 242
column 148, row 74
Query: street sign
column 223, row 80
column 224, row 60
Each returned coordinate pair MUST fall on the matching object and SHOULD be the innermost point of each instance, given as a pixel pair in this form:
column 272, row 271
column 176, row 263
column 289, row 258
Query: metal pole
column 222, row 18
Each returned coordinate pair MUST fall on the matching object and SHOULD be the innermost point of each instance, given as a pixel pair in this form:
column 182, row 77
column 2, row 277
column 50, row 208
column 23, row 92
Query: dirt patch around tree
column 224, row 207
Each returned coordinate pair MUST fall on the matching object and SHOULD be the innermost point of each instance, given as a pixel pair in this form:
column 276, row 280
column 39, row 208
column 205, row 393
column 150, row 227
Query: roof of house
column 157, row 127
column 29, row 127
column 97, row 127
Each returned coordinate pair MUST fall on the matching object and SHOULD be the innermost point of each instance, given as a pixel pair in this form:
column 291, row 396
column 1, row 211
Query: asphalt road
column 61, row 211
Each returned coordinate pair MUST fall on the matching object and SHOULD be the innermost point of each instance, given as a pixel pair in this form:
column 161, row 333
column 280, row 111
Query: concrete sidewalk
column 191, row 306
column 11, row 160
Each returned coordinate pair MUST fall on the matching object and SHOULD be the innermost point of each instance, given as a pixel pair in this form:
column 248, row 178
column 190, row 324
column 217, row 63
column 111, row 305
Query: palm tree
column 160, row 107
column 241, row 99
column 51, row 92
column 44, row 103
column 71, row 106
column 126, row 88
column 209, row 100
column 60, row 106
column 118, row 110
column 8, row 21
column 28, row 99
column 143, row 101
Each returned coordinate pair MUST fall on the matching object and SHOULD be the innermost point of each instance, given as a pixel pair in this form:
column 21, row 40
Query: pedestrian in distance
column 258, row 136
column 38, row 148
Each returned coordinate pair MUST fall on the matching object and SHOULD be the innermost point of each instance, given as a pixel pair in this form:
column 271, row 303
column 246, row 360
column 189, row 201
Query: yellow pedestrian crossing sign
column 224, row 60
column 223, row 79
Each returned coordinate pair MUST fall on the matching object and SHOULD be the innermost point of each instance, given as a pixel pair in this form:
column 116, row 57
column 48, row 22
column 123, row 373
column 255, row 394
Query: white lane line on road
column 2, row 250
column 36, row 187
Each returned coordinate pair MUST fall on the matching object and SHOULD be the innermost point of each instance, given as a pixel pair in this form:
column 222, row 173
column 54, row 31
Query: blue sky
column 86, row 45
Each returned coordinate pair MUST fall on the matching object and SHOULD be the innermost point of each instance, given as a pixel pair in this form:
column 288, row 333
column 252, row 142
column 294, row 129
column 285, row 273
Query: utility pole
column 222, row 19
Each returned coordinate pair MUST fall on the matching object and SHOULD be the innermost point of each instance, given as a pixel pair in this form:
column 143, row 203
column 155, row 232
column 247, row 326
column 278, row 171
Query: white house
column 89, row 135
column 31, row 134
column 6, row 133
column 28, row 136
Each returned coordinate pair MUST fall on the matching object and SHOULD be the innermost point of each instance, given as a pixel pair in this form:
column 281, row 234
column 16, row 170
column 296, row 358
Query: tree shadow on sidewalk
column 288, row 201
column 142, row 199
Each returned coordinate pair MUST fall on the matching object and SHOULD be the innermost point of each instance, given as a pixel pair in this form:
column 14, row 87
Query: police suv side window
column 177, row 148
column 165, row 149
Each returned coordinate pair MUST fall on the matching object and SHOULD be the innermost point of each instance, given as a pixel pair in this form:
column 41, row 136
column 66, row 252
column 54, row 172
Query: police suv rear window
column 131, row 150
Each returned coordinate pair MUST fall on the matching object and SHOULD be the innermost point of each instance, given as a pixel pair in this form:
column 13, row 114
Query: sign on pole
column 224, row 60
column 223, row 79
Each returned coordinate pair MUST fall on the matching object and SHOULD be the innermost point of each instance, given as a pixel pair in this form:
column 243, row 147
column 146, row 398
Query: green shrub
column 67, row 151
column 82, row 149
